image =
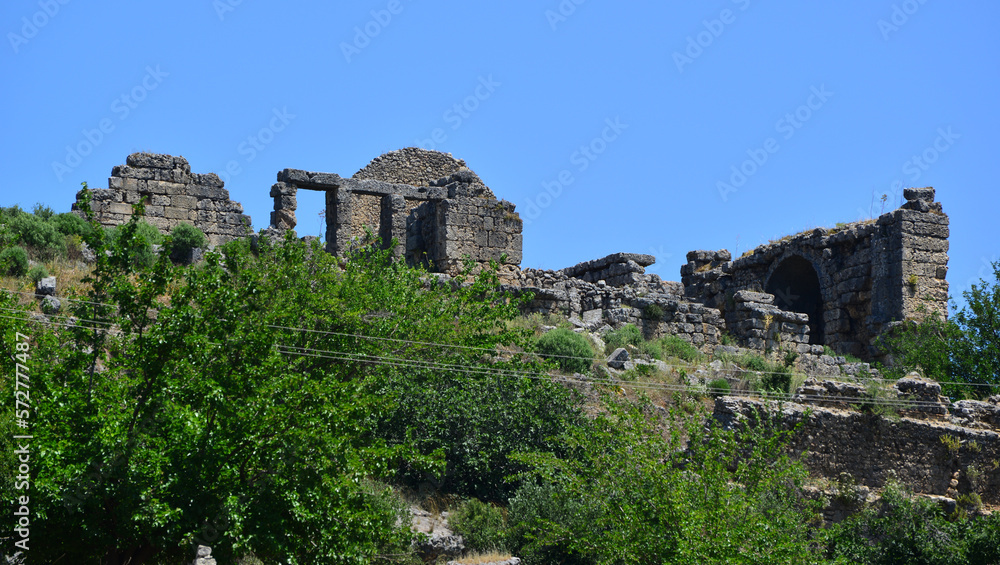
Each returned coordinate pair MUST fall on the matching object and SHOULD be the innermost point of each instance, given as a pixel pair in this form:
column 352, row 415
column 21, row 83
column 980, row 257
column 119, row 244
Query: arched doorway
column 795, row 286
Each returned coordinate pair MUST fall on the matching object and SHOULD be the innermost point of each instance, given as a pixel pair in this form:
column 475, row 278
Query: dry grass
column 69, row 276
column 481, row 558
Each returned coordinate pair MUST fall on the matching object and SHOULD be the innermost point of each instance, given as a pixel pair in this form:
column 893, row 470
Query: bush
column 652, row 312
column 532, row 508
column 777, row 379
column 481, row 525
column 140, row 248
column 37, row 234
column 573, row 351
column 42, row 211
column 628, row 334
column 184, row 238
column 14, row 261
column 71, row 224
column 37, row 273
column 719, row 387
column 905, row 530
column 674, row 346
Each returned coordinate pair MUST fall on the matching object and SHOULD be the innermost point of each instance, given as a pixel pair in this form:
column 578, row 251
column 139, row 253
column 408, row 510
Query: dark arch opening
column 795, row 286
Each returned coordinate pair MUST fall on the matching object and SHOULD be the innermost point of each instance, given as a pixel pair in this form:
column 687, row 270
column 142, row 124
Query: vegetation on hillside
column 273, row 402
column 963, row 350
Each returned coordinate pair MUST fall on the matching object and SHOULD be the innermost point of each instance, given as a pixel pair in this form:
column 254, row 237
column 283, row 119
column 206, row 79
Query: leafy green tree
column 978, row 351
column 647, row 499
column 963, row 349
column 905, row 530
column 248, row 404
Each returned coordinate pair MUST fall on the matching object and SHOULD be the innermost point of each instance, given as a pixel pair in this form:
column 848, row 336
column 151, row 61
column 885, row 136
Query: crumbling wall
column 172, row 195
column 759, row 324
column 853, row 281
column 626, row 296
column 912, row 448
column 439, row 221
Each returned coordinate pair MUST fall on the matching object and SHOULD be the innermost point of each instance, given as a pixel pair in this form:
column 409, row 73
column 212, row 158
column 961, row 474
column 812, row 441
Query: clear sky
column 652, row 127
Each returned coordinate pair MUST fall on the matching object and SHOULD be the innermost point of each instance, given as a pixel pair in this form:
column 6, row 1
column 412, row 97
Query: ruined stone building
column 840, row 287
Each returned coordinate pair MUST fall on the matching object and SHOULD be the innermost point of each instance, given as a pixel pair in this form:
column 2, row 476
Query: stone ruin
column 840, row 287
column 854, row 282
column 172, row 195
column 439, row 211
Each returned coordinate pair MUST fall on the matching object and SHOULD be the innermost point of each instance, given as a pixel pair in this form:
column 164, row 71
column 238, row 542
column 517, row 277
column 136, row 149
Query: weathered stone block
column 183, row 201
column 173, row 213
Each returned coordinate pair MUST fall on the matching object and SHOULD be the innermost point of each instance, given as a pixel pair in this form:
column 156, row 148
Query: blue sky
column 613, row 126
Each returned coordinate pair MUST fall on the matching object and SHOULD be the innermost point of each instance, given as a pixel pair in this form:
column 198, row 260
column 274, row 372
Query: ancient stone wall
column 172, row 195
column 873, row 448
column 439, row 221
column 589, row 300
column 853, row 281
column 758, row 324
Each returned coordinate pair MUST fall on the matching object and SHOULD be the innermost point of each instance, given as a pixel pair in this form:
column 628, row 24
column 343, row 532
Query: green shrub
column 573, row 351
column 39, row 235
column 185, row 237
column 790, row 357
column 674, row 346
column 628, row 334
column 753, row 362
column 14, row 261
column 42, row 211
column 37, row 273
column 905, row 530
column 652, row 312
column 777, row 379
column 71, row 224
column 532, row 508
column 140, row 249
column 719, row 387
column 482, row 526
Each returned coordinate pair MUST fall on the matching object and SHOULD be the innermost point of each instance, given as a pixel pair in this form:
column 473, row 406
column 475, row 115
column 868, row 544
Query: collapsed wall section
column 172, row 195
column 614, row 291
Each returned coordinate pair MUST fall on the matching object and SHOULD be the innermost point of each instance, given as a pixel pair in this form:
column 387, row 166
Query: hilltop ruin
column 839, row 287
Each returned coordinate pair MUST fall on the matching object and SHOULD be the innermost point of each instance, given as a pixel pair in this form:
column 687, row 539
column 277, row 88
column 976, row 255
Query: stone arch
column 796, row 287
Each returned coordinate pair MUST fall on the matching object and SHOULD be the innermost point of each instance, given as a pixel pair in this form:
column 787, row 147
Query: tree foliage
column 244, row 404
column 962, row 349
column 631, row 492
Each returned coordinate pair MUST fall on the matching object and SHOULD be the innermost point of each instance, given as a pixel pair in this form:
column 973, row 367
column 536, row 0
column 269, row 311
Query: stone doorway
column 795, row 286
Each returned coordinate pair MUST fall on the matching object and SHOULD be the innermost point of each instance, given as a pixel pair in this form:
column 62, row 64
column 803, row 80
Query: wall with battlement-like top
column 172, row 195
